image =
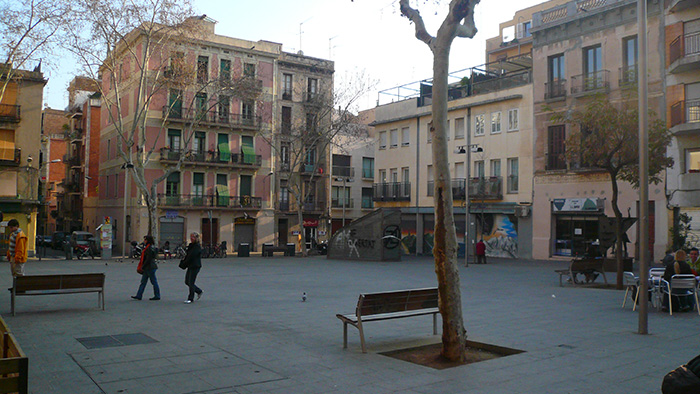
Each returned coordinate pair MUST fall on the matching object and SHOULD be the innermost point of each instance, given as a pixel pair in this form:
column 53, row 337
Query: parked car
column 46, row 240
column 57, row 239
column 85, row 238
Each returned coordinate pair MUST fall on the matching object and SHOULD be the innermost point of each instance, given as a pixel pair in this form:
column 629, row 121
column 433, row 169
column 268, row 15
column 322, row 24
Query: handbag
column 183, row 264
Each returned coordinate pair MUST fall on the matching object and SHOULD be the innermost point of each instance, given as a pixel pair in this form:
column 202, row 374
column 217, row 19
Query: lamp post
column 468, row 150
column 126, row 167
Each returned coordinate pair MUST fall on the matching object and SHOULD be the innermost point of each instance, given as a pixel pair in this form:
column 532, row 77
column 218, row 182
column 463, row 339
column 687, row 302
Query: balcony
column 216, row 158
column 367, row 202
column 287, row 96
column 343, row 171
column 283, row 206
column 594, row 82
column 342, row 202
column 486, row 188
column 628, row 76
column 212, row 118
column 685, row 53
column 10, row 156
column 311, row 169
column 685, row 116
column 502, row 82
column 9, row 113
column 555, row 89
column 312, row 205
column 458, row 189
column 194, row 201
column 75, row 136
column 394, row 191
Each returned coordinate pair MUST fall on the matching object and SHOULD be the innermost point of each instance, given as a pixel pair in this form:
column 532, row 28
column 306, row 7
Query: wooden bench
column 14, row 364
column 390, row 305
column 30, row 285
column 590, row 268
column 268, row 250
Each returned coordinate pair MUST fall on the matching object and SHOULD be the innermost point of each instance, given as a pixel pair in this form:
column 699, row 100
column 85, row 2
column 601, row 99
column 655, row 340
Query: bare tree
column 28, row 31
column 459, row 22
column 138, row 51
column 303, row 148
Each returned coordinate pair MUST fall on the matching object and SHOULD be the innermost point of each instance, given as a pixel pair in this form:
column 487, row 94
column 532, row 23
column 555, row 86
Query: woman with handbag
column 147, row 268
column 192, row 263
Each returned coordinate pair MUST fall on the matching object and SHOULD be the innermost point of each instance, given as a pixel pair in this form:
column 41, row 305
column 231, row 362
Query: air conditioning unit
column 522, row 211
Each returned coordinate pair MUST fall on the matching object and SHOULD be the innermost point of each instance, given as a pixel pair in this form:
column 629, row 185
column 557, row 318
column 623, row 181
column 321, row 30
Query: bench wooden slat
column 29, row 285
column 580, row 266
column 391, row 305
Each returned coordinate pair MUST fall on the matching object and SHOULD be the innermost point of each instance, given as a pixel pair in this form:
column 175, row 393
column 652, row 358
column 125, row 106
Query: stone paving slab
column 251, row 333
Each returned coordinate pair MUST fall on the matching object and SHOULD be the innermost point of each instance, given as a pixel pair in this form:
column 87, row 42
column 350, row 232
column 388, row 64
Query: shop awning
column 248, row 154
column 224, row 152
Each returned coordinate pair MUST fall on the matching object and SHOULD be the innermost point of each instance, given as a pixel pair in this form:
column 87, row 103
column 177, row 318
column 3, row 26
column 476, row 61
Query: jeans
column 144, row 279
column 190, row 278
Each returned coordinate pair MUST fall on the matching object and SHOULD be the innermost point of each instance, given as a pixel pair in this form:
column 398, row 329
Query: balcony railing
column 591, row 82
column 209, row 201
column 339, row 202
column 10, row 156
column 393, row 191
column 211, row 117
column 9, row 113
column 628, row 75
column 308, row 169
column 555, row 162
column 486, row 188
column 283, row 206
column 555, row 89
column 343, row 171
column 506, row 81
column 458, row 189
column 313, row 205
column 685, row 45
column 192, row 156
column 687, row 111
column 367, row 202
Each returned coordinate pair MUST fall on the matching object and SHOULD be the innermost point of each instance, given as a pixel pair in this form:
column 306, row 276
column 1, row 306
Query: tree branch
column 414, row 16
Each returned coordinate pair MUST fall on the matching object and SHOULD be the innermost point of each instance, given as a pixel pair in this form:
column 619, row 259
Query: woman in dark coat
column 193, row 262
column 148, row 270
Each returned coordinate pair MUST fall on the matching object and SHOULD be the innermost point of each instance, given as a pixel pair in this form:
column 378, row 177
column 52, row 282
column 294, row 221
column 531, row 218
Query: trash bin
column 267, row 250
column 243, row 250
column 291, row 248
column 68, row 250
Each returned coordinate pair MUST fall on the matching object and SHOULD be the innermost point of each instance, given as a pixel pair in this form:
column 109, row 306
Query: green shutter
column 222, row 195
column 248, row 154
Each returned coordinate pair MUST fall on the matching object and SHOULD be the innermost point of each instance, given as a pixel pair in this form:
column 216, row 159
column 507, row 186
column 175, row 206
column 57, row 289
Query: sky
column 363, row 37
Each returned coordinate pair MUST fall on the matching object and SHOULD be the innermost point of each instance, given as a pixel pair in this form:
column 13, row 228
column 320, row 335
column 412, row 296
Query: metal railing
column 555, row 162
column 590, row 82
column 684, row 45
column 209, row 201
column 490, row 188
column 392, row 191
column 213, row 156
column 10, row 156
column 339, row 202
column 343, row 171
column 9, row 113
column 210, row 117
column 555, row 89
column 502, row 82
column 313, row 205
column 628, row 75
column 687, row 111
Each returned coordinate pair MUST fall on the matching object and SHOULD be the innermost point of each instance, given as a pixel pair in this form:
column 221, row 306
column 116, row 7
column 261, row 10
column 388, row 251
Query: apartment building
column 78, row 208
column 20, row 147
column 682, row 69
column 580, row 49
column 53, row 152
column 303, row 108
column 490, row 145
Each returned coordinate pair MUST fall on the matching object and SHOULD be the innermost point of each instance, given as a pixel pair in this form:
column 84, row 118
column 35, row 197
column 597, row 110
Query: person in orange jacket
column 17, row 252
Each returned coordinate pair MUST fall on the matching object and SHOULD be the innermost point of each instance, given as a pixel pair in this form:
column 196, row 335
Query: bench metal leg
column 12, row 302
column 345, row 335
column 434, row 323
column 362, row 337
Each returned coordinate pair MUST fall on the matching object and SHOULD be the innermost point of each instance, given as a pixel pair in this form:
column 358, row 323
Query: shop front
column 576, row 225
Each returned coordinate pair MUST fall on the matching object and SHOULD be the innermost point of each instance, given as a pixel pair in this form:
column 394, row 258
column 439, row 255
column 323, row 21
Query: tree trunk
column 445, row 247
column 300, row 217
column 618, row 233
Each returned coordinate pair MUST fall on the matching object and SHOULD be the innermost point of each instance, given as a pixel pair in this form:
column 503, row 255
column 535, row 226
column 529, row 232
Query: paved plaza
column 251, row 332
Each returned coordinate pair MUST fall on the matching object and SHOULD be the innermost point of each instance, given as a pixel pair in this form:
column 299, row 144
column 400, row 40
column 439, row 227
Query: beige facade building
column 583, row 48
column 20, row 147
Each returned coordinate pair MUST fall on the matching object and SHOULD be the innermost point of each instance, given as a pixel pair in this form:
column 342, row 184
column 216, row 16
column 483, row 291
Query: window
column 405, row 175
column 367, row 198
column 287, row 87
column 284, row 156
column 198, row 143
column 340, row 196
column 224, row 108
column 382, row 176
column 286, row 120
column 248, row 150
column 284, row 199
column 393, row 175
column 592, row 66
column 247, row 111
column 109, row 149
column 513, row 119
column 479, row 124
column 496, row 167
column 342, row 166
column 245, row 187
column 556, row 84
column 479, row 169
column 495, row 122
column 394, row 138
column 107, row 186
column 556, row 148
column 174, row 138
column 200, row 102
column 222, row 195
column 198, row 184
column 312, row 88
column 311, row 122
column 368, row 167
column 382, row 140
column 459, row 128
column 172, row 184
column 459, row 171
column 202, row 69
column 225, row 70
column 405, row 136
column 628, row 73
column 692, row 160
column 448, row 130
column 175, row 104
column 310, row 159
column 249, row 70
column 526, row 29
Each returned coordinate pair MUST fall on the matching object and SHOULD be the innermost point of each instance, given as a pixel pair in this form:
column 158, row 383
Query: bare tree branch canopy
column 459, row 22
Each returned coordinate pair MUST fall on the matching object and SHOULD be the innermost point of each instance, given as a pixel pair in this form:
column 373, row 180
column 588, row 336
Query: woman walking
column 147, row 268
column 193, row 262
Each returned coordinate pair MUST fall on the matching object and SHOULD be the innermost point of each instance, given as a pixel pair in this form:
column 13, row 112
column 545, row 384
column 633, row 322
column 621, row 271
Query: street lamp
column 467, row 149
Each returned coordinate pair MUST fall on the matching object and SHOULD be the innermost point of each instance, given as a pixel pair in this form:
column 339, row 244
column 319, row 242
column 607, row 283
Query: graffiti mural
column 500, row 233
